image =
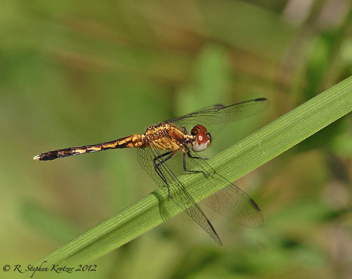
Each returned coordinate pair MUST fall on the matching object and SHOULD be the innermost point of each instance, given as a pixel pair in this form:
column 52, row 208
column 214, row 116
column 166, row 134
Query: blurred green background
column 82, row 72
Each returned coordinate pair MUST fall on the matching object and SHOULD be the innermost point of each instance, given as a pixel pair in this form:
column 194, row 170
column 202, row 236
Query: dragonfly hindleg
column 158, row 170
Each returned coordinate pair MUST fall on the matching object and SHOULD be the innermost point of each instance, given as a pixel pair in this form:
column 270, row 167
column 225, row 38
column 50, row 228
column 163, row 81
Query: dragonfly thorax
column 201, row 138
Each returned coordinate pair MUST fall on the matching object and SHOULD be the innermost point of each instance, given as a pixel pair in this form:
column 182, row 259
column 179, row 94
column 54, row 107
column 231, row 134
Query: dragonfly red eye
column 198, row 129
column 201, row 141
column 202, row 138
column 202, row 128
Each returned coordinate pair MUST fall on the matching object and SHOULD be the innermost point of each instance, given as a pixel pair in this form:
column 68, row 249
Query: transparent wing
column 234, row 204
column 168, row 181
column 220, row 114
column 230, row 201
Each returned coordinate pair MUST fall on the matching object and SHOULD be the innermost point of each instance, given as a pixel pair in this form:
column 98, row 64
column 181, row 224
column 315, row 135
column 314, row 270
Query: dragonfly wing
column 219, row 114
column 230, row 201
column 168, row 181
column 234, row 204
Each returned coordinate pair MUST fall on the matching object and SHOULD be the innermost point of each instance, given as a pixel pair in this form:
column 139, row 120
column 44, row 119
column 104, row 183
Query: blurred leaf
column 210, row 83
column 300, row 214
column 45, row 223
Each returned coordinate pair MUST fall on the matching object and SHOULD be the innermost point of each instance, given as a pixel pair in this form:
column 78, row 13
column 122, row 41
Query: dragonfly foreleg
column 196, row 157
column 193, row 171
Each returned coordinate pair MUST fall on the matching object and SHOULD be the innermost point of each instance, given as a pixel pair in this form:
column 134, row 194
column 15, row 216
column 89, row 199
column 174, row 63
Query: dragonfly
column 167, row 150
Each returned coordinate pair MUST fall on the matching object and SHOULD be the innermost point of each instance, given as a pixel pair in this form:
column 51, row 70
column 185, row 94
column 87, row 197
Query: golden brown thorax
column 165, row 136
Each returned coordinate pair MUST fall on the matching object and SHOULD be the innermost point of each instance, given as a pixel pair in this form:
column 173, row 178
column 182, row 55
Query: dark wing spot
column 256, row 207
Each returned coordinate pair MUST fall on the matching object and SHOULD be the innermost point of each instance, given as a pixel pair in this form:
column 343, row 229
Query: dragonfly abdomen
column 127, row 142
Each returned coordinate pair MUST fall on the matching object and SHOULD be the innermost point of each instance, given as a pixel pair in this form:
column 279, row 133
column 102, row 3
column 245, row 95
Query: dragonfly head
column 202, row 138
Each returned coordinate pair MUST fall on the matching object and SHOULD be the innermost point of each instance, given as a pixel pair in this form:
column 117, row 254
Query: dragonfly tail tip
column 36, row 158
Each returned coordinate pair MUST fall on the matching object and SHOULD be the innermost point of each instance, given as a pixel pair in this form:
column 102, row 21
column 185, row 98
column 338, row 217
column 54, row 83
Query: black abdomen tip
column 261, row 99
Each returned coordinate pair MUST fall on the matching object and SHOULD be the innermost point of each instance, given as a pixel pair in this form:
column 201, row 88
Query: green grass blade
column 236, row 161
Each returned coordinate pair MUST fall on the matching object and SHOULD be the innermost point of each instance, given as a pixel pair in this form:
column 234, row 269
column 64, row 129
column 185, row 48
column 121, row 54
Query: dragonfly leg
column 161, row 156
column 195, row 157
column 159, row 172
column 193, row 171
column 201, row 158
